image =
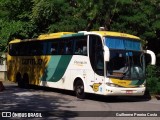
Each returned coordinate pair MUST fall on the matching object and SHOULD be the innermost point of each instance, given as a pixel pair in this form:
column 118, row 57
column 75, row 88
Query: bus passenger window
column 78, row 51
column 62, row 47
column 13, row 49
column 84, row 50
column 69, row 46
column 53, row 48
column 80, row 46
column 68, row 50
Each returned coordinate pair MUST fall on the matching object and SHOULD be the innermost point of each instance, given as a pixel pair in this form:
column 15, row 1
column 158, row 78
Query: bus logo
column 95, row 87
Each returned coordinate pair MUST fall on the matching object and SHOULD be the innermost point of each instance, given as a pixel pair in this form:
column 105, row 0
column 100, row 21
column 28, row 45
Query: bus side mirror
column 152, row 56
column 106, row 54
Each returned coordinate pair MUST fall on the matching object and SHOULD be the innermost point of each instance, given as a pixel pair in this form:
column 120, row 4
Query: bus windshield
column 127, row 62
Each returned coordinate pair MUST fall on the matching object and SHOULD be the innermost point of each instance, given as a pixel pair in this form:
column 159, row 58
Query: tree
column 153, row 79
column 14, row 20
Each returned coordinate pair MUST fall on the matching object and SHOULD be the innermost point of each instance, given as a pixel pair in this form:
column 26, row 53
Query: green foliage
column 14, row 20
column 153, row 79
column 27, row 19
column 137, row 17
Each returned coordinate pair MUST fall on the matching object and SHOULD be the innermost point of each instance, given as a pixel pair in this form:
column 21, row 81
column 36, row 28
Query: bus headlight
column 143, row 85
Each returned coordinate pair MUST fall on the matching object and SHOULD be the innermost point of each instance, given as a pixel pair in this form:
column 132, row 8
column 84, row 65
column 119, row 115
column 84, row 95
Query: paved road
column 51, row 103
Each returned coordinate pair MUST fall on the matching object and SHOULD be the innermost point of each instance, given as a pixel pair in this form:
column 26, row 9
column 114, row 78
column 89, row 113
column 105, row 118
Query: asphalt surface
column 45, row 103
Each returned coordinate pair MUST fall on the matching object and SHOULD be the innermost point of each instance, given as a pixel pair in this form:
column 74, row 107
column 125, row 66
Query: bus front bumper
column 118, row 91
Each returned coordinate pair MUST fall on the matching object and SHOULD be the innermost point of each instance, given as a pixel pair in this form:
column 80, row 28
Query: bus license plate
column 129, row 91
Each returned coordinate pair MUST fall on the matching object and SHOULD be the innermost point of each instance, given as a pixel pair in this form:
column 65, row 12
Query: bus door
column 97, row 62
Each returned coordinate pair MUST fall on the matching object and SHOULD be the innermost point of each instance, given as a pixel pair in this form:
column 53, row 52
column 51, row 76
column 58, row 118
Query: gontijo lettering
column 32, row 62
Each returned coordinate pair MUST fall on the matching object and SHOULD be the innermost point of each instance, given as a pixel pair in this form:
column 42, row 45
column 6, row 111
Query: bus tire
column 79, row 89
column 25, row 81
column 19, row 80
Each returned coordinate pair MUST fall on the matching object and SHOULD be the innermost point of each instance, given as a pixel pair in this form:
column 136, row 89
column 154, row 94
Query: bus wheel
column 25, row 81
column 79, row 89
column 19, row 80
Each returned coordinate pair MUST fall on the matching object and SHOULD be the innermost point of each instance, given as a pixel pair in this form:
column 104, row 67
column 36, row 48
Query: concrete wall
column 3, row 68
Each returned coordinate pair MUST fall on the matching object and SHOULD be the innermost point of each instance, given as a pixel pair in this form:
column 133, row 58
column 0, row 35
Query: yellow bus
column 98, row 62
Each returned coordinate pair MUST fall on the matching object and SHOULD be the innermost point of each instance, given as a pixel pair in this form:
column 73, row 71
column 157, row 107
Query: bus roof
column 45, row 36
column 15, row 41
column 81, row 33
column 115, row 34
column 54, row 35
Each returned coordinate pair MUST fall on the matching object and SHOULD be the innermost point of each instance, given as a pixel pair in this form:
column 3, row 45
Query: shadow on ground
column 27, row 100
column 109, row 99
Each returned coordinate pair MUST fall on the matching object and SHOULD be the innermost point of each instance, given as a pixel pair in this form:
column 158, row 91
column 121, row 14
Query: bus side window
column 78, row 50
column 54, row 48
column 69, row 46
column 36, row 48
column 22, row 49
column 68, row 50
column 13, row 49
column 81, row 46
column 62, row 47
column 84, row 50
